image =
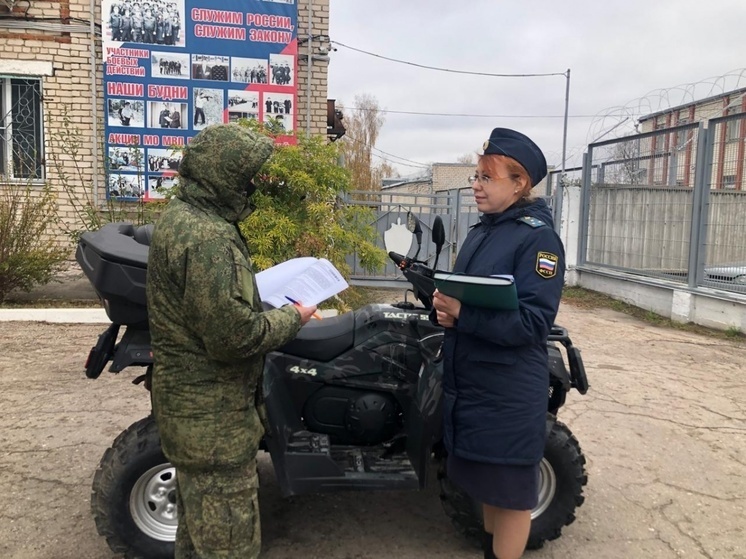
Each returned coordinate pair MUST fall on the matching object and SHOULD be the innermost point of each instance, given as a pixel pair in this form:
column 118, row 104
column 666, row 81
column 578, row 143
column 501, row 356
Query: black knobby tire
column 133, row 498
column 563, row 477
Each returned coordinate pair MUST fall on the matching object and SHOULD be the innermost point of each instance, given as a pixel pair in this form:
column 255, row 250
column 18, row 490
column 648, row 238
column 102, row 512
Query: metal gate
column 391, row 208
column 455, row 207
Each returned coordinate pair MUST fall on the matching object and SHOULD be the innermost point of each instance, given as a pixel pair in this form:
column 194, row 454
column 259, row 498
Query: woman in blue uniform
column 495, row 379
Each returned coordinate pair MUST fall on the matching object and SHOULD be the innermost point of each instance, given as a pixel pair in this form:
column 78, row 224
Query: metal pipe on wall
column 94, row 100
column 55, row 27
column 310, row 67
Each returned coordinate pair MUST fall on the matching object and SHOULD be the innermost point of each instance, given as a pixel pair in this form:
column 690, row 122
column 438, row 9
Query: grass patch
column 587, row 299
column 734, row 332
column 357, row 296
column 52, row 304
column 352, row 298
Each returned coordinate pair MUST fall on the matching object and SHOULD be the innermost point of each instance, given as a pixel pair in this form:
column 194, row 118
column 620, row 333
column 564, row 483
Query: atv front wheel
column 562, row 477
column 134, row 495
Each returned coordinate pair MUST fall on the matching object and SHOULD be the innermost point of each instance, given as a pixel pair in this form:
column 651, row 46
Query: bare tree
column 380, row 171
column 363, row 123
column 625, row 164
column 466, row 159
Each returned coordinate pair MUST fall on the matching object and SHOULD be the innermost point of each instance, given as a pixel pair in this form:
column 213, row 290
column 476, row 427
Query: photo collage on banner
column 174, row 67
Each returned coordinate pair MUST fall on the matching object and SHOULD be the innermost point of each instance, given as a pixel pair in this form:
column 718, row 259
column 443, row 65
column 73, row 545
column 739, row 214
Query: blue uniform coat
column 496, row 375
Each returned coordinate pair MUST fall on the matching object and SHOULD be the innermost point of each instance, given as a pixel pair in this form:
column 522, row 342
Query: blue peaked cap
column 520, row 147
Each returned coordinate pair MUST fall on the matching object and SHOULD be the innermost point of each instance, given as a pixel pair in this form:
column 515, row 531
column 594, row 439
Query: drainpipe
column 94, row 99
column 310, row 67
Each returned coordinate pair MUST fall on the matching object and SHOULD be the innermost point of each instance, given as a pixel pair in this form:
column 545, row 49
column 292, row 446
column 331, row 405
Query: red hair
column 516, row 171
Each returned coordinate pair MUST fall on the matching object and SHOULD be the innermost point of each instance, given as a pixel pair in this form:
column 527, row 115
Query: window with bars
column 733, row 127
column 682, row 136
column 660, row 139
column 21, row 129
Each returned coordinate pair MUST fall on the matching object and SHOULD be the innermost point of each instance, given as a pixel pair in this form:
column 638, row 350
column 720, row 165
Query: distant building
column 670, row 155
column 442, row 177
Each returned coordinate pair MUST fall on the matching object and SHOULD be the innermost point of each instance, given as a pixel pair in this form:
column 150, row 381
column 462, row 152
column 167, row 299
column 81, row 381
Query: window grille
column 733, row 127
column 21, row 128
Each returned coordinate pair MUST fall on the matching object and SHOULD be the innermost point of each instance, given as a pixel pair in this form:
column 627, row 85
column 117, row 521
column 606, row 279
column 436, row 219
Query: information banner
column 173, row 67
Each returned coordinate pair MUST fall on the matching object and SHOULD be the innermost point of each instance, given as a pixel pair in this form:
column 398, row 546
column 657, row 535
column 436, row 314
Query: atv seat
column 323, row 340
column 144, row 234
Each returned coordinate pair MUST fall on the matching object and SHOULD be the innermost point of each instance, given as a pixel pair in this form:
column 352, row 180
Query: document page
column 309, row 281
column 267, row 281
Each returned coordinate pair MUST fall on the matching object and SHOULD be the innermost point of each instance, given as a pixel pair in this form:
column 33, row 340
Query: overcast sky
column 618, row 53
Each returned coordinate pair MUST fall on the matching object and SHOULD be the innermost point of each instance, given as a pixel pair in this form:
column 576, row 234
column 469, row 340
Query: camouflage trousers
column 218, row 514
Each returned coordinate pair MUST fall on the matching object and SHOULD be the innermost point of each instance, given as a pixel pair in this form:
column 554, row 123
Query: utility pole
column 559, row 191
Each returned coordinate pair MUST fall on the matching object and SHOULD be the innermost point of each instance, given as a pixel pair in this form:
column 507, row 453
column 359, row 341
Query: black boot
column 487, row 546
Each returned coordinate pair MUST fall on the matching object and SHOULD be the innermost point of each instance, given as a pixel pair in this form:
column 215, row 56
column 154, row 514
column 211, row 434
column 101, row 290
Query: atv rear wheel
column 134, row 495
column 562, row 477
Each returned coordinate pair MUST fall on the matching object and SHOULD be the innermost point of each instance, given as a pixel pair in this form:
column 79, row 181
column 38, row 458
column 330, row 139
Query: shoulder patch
column 531, row 221
column 546, row 264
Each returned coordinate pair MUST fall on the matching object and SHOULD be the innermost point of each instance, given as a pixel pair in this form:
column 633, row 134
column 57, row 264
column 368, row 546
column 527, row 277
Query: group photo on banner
column 174, row 67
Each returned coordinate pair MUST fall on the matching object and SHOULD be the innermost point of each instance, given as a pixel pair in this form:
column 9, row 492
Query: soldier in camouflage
column 209, row 337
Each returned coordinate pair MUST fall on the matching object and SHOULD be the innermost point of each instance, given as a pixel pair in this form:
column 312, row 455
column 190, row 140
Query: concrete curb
column 72, row 316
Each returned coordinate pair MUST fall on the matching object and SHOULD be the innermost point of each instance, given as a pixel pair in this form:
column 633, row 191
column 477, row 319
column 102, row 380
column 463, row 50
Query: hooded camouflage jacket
column 209, row 334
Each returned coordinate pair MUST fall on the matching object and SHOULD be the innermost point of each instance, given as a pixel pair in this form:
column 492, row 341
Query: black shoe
column 487, row 546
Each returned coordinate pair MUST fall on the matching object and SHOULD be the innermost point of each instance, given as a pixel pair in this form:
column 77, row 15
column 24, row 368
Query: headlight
column 740, row 280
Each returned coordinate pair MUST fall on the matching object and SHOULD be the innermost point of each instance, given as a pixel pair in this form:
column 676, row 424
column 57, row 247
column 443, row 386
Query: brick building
column 669, row 155
column 441, row 177
column 52, row 98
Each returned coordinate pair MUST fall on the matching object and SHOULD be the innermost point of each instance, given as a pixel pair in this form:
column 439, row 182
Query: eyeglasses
column 484, row 180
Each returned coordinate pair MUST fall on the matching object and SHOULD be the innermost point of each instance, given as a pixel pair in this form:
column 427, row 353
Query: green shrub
column 73, row 179
column 300, row 211
column 28, row 254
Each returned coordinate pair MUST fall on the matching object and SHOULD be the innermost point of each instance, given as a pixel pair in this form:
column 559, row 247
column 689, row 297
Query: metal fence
column 456, row 208
column 669, row 204
column 390, row 209
column 552, row 194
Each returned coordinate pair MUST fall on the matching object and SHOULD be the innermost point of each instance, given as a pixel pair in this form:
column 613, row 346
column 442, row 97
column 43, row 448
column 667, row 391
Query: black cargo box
column 115, row 260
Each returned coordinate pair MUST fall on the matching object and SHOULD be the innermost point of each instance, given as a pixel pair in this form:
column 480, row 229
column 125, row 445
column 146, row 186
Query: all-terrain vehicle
column 354, row 403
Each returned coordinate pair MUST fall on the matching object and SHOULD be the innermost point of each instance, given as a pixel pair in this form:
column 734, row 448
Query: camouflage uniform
column 209, row 338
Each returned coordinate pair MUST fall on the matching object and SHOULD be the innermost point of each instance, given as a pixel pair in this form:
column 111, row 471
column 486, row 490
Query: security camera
column 323, row 50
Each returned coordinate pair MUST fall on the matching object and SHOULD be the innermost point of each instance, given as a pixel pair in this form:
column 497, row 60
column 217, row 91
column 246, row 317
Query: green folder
column 489, row 292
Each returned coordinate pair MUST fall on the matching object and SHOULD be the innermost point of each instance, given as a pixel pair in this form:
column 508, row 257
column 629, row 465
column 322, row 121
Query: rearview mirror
column 439, row 237
column 439, row 233
column 413, row 224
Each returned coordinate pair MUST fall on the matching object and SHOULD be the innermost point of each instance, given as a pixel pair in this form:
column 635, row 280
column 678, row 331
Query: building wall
column 729, row 153
column 319, row 70
column 63, row 61
column 408, row 189
column 455, row 176
column 58, row 50
column 450, row 176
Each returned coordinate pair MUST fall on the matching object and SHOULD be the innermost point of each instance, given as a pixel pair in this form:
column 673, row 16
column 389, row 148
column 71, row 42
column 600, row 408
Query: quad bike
column 354, row 403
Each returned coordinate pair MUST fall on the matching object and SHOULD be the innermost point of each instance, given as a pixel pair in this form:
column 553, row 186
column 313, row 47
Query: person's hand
column 445, row 320
column 446, row 305
column 306, row 313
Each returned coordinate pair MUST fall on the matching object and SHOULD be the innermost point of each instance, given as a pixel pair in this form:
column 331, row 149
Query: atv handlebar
column 419, row 275
column 421, row 278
